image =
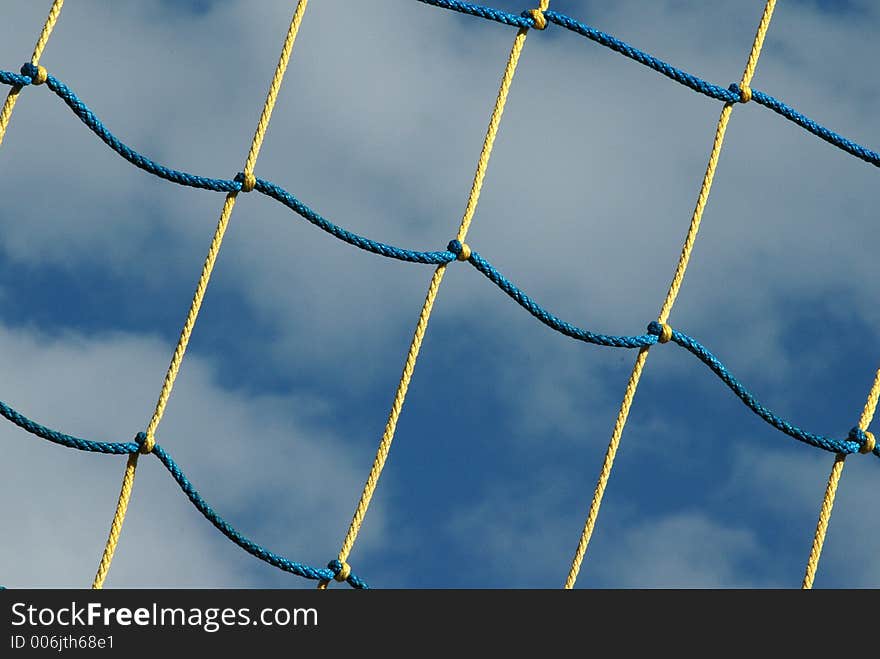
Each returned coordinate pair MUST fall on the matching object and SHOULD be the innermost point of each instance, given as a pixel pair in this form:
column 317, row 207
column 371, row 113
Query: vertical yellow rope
column 201, row 287
column 433, row 288
column 824, row 518
column 12, row 96
column 674, row 287
column 394, row 415
column 870, row 404
column 831, row 488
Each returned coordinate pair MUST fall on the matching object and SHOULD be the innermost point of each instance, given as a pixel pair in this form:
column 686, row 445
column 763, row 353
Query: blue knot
column 743, row 95
column 461, row 250
column 248, row 181
column 29, row 70
column 341, row 571
column 37, row 74
column 140, row 439
column 662, row 331
column 861, row 438
column 539, row 22
column 857, row 435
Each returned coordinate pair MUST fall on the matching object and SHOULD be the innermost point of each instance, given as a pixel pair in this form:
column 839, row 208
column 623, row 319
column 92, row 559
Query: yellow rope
column 12, row 96
column 201, row 287
column 433, row 288
column 824, row 518
column 118, row 518
column 396, row 408
column 831, row 488
column 871, row 403
column 674, row 287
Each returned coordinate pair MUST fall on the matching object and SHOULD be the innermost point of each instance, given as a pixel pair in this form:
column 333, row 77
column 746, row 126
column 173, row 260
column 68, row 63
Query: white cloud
column 523, row 540
column 687, row 550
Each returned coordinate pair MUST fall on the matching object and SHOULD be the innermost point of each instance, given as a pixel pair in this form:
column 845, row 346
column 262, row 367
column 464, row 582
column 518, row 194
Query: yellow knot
column 538, row 16
column 147, row 446
column 465, row 252
column 41, row 76
column 665, row 333
column 745, row 93
column 344, row 572
column 249, row 182
column 869, row 444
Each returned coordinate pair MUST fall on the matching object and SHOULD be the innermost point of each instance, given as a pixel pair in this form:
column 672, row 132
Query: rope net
column 855, row 440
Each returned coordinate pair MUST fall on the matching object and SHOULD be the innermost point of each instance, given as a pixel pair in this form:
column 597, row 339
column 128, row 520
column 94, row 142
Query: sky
column 291, row 370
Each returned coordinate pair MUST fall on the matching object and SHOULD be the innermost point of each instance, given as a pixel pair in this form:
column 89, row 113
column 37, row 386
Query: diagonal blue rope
column 484, row 12
column 117, row 448
column 203, row 507
column 277, row 193
column 731, row 94
column 222, row 185
column 10, row 78
column 820, row 131
column 545, row 316
column 248, row 545
column 692, row 81
column 82, row 111
column 850, row 445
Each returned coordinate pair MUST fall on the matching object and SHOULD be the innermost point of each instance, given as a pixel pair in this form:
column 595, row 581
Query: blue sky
column 286, row 386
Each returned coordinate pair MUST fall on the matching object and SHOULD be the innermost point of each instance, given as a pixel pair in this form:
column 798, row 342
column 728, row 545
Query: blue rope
column 222, row 185
column 850, row 445
column 251, row 547
column 117, row 448
column 484, row 12
column 10, row 78
column 82, row 111
column 545, row 316
column 858, row 435
column 731, row 94
column 248, row 545
column 695, row 83
column 277, row 193
column 819, row 131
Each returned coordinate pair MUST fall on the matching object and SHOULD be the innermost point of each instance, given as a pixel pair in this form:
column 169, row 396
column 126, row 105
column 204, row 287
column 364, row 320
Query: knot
column 865, row 438
column 461, row 250
column 745, row 92
column 37, row 74
column 662, row 331
column 145, row 443
column 247, row 179
column 537, row 16
column 870, row 444
column 341, row 570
